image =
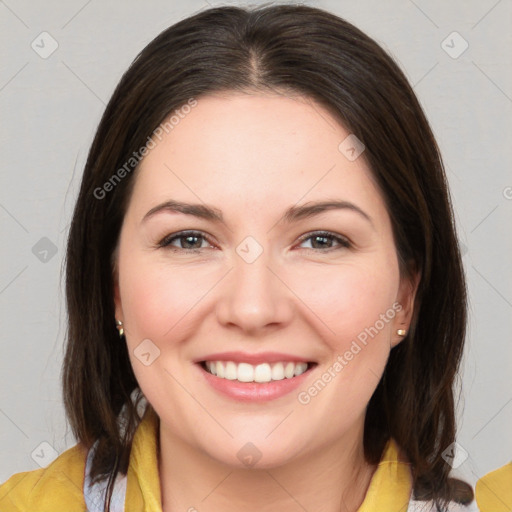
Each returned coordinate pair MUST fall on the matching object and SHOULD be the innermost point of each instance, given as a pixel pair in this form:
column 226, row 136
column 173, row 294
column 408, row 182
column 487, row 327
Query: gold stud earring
column 401, row 332
column 119, row 327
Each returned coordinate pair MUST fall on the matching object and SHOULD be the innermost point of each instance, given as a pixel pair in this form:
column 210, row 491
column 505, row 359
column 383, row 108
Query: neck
column 334, row 478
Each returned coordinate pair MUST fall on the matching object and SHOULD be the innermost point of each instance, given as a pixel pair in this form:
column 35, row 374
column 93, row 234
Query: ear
column 405, row 298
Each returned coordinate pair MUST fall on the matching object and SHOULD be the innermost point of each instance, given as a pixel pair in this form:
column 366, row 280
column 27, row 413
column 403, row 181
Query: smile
column 260, row 382
column 265, row 372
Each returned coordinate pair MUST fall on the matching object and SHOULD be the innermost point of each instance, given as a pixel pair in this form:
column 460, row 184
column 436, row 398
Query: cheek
column 349, row 299
column 357, row 303
column 159, row 303
column 157, row 296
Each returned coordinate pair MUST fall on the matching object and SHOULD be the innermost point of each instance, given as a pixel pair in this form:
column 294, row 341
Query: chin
column 254, row 454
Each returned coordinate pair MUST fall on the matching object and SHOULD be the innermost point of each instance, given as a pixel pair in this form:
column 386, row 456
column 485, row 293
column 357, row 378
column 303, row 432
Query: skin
column 252, row 156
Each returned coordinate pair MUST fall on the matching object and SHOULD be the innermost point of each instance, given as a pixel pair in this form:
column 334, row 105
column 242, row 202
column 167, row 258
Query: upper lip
column 261, row 357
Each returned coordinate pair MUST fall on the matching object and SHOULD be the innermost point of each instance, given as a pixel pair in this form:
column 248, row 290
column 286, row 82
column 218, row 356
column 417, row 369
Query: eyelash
column 165, row 242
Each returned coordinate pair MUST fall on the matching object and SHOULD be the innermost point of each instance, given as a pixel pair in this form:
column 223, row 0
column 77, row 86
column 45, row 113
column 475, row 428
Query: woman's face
column 259, row 282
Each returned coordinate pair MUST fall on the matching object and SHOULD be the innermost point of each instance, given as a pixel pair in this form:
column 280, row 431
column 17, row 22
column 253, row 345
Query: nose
column 254, row 297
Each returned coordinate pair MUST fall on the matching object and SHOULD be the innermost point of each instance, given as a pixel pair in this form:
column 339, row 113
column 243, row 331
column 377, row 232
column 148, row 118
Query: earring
column 401, row 332
column 119, row 327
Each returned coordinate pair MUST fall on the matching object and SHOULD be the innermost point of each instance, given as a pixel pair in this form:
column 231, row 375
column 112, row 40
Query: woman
column 265, row 220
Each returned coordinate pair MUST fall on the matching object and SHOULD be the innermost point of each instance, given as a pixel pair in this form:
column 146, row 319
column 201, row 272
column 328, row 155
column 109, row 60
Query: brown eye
column 187, row 240
column 325, row 240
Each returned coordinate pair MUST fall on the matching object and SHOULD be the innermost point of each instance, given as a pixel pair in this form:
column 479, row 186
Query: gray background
column 50, row 108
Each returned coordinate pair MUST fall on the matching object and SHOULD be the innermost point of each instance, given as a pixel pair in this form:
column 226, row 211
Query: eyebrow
column 294, row 213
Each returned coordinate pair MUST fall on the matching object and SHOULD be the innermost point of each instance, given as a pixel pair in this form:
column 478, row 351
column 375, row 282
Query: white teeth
column 289, row 370
column 211, row 367
column 300, row 369
column 219, row 369
column 278, row 371
column 264, row 372
column 230, row 372
column 245, row 372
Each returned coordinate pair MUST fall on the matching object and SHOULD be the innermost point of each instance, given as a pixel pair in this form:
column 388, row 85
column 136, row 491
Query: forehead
column 252, row 151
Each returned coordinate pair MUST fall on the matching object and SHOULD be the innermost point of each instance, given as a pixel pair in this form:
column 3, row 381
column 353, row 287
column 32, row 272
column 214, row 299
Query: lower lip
column 254, row 391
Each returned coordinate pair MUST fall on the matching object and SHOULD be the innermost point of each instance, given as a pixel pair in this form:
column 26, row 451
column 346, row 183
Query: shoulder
column 56, row 488
column 494, row 490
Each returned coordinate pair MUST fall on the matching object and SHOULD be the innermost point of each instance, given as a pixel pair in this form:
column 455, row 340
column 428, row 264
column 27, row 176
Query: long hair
column 290, row 49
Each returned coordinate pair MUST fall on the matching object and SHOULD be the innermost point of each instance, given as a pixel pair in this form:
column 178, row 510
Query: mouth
column 246, row 382
column 260, row 373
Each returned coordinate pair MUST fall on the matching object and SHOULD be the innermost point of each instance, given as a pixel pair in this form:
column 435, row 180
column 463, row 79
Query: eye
column 187, row 240
column 324, row 240
column 191, row 241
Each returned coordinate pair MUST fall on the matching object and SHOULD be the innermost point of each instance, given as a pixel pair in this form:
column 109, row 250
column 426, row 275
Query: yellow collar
column 143, row 478
column 389, row 489
column 493, row 492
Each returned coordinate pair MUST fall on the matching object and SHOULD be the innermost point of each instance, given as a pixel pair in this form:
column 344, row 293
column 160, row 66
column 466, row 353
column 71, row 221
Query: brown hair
column 291, row 49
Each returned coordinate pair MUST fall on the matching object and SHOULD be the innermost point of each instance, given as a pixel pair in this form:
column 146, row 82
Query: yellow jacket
column 61, row 486
column 493, row 492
